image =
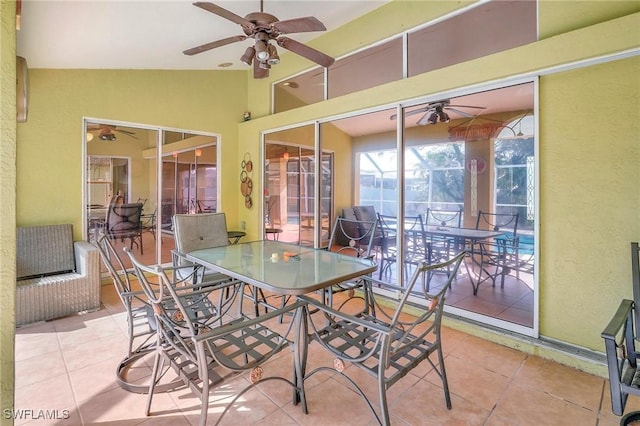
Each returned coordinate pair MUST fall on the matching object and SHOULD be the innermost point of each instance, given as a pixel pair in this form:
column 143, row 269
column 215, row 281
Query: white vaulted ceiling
column 152, row 34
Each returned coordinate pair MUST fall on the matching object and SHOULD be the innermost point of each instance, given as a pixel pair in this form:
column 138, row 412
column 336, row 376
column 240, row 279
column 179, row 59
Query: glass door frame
column 400, row 146
column 302, row 152
column 159, row 149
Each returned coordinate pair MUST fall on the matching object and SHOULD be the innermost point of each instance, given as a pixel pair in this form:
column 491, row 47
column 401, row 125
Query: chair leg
column 443, row 376
column 157, row 365
column 204, row 398
column 384, row 407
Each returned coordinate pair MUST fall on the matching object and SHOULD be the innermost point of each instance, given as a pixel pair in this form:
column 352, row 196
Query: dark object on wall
column 619, row 341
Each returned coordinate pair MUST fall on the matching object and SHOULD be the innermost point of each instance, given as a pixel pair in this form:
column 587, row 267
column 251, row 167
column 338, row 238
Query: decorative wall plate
column 246, row 180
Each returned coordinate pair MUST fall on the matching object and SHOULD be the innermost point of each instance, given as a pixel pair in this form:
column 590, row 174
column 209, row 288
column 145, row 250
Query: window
column 491, row 27
column 434, row 178
column 487, row 28
column 368, row 68
column 513, row 181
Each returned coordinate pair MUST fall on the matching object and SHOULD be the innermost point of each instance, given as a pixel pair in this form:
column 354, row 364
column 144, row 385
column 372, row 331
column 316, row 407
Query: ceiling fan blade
column 423, row 120
column 214, row 44
column 410, row 113
column 466, row 106
column 305, row 51
column 128, row 133
column 299, row 25
column 462, row 113
column 210, row 7
column 259, row 72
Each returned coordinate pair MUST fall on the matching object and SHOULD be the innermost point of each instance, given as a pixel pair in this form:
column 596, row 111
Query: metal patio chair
column 124, row 221
column 443, row 247
column 351, row 238
column 620, row 337
column 502, row 251
column 382, row 341
column 141, row 324
column 197, row 336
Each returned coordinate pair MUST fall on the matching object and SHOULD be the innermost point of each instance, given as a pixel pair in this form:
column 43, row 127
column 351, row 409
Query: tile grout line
column 511, row 381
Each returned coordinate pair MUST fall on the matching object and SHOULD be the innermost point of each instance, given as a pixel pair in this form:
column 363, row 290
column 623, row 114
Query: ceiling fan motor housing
column 262, row 23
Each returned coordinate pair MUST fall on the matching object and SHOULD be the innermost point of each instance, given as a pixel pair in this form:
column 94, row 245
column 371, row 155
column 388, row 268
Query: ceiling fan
column 106, row 131
column 437, row 112
column 262, row 28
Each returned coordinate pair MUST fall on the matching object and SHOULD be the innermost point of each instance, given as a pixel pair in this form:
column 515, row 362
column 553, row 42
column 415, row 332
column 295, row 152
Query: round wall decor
column 246, row 180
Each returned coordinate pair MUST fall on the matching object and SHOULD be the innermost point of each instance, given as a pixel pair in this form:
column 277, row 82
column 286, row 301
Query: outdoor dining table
column 288, row 270
column 467, row 237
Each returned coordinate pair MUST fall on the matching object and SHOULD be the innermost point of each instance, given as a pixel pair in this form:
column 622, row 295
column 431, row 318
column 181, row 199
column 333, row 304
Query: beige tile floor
column 69, row 364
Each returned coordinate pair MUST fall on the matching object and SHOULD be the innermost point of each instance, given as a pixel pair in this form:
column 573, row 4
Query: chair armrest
column 238, row 325
column 344, row 316
column 618, row 320
column 87, row 257
column 178, row 255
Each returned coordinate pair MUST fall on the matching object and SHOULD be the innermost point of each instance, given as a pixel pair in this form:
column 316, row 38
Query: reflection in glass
column 303, row 89
column 491, row 27
column 371, row 67
column 290, row 201
column 487, row 28
column 493, row 137
column 123, row 160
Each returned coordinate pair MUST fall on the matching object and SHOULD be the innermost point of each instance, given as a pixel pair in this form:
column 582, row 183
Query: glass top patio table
column 470, row 234
column 282, row 268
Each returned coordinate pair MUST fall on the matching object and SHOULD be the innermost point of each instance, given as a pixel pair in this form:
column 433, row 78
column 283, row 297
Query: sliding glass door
column 451, row 159
column 166, row 171
column 291, row 210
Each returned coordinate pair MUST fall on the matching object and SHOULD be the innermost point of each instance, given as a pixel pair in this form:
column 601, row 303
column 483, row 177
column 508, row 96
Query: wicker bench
column 55, row 275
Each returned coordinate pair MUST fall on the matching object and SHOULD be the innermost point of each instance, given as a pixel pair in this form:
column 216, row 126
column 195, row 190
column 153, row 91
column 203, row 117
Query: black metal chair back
column 620, row 336
column 124, row 221
column 358, row 235
column 443, row 217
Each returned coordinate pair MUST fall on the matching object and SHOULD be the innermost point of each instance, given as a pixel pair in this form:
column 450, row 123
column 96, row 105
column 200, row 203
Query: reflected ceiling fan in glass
column 106, row 132
column 435, row 112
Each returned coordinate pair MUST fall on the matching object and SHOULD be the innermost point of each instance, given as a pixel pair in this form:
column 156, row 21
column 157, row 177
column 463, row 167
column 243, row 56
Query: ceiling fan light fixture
column 262, row 54
column 433, row 118
column 107, row 137
column 274, row 59
column 247, row 57
column 444, row 117
column 265, row 65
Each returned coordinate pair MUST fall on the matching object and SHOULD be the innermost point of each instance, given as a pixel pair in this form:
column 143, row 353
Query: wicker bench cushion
column 44, row 250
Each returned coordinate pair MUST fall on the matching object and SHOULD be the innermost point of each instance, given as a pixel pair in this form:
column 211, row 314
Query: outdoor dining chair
column 348, row 237
column 384, row 341
column 389, row 235
column 357, row 237
column 124, row 221
column 200, row 231
column 620, row 339
column 141, row 324
column 502, row 251
column 417, row 248
column 202, row 341
column 443, row 247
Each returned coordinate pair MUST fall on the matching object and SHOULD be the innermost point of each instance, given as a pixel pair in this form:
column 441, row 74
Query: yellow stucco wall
column 49, row 167
column 590, row 198
column 584, row 267
column 7, row 202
